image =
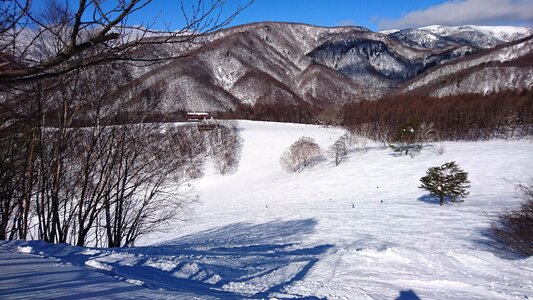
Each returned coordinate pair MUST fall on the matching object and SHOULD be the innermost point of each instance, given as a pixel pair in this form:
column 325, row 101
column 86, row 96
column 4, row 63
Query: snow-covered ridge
column 389, row 31
column 502, row 55
column 503, row 33
column 438, row 36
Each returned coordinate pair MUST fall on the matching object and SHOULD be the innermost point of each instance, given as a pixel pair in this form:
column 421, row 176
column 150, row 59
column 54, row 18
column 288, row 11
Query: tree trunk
column 3, row 230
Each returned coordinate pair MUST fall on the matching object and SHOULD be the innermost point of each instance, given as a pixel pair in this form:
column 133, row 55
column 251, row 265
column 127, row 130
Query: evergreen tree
column 446, row 181
column 405, row 141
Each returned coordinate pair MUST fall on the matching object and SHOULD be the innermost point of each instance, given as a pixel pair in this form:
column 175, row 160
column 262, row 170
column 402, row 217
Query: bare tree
column 127, row 171
column 225, row 145
column 425, row 133
column 74, row 154
column 37, row 42
column 303, row 153
column 361, row 135
column 138, row 199
column 507, row 123
column 89, row 180
column 339, row 150
column 16, row 183
column 383, row 134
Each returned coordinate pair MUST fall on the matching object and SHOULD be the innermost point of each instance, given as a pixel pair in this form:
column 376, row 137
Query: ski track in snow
column 325, row 233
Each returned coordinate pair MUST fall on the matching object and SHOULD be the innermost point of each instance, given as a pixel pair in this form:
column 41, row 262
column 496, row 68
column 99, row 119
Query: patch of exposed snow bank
column 98, row 265
column 135, row 282
column 161, row 264
column 26, row 249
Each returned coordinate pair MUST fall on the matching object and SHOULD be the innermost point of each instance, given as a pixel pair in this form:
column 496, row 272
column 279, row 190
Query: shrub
column 514, row 227
column 301, row 154
column 446, row 182
column 226, row 145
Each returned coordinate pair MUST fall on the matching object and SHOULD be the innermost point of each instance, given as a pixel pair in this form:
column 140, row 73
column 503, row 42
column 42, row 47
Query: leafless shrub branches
column 514, row 227
column 303, row 153
column 38, row 43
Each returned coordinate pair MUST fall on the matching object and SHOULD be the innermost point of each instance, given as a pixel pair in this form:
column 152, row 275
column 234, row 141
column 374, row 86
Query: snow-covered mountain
column 482, row 35
column 507, row 67
column 299, row 63
column 437, row 36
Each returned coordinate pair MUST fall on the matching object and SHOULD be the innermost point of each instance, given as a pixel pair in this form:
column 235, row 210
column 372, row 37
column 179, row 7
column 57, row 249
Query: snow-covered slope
column 505, row 68
column 360, row 230
column 502, row 33
column 437, row 36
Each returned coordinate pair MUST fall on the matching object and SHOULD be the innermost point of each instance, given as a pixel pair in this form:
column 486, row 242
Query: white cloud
column 465, row 12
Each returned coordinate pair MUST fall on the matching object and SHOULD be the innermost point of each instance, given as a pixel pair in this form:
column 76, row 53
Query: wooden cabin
column 204, row 119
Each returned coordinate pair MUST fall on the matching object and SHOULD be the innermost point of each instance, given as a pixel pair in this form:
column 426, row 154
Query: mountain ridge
column 271, row 62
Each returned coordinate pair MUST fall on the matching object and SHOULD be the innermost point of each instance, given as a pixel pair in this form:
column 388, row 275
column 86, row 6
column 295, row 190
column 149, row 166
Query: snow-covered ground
column 360, row 230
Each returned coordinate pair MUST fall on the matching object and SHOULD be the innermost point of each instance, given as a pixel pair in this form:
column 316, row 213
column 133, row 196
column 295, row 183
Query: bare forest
column 79, row 162
column 468, row 117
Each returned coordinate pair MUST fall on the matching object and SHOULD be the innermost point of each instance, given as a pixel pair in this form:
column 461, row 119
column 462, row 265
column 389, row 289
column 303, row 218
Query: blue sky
column 329, row 12
column 373, row 14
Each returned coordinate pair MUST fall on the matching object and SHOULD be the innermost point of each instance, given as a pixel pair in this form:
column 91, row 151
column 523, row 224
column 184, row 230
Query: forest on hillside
column 467, row 117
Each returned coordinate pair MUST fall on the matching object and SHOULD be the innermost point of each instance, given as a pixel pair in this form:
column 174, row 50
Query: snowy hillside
column 502, row 33
column 325, row 232
column 297, row 63
column 494, row 71
column 438, row 36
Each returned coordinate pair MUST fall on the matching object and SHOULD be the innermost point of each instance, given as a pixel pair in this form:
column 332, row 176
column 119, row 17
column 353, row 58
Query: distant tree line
column 464, row 117
column 275, row 112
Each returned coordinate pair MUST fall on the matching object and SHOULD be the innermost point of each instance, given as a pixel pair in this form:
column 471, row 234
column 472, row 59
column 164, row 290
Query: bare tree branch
column 94, row 34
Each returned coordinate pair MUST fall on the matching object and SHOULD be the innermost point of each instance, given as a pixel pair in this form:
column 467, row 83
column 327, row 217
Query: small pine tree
column 446, row 181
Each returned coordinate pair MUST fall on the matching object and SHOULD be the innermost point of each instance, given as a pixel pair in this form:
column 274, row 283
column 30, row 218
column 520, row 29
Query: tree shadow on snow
column 239, row 260
column 253, row 260
column 430, row 199
column 408, row 295
column 358, row 150
column 236, row 261
column 239, row 234
column 52, row 280
column 487, row 241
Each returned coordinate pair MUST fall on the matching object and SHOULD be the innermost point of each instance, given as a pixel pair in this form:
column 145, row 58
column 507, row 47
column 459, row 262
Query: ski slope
column 360, row 230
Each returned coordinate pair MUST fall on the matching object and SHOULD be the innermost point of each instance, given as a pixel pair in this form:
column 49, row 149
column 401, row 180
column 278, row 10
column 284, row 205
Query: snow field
column 263, row 233
column 378, row 248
